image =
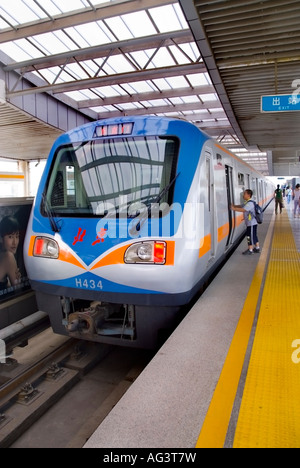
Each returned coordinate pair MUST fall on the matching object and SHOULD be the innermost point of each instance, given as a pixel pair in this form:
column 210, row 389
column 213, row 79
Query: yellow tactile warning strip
column 215, row 426
column 269, row 416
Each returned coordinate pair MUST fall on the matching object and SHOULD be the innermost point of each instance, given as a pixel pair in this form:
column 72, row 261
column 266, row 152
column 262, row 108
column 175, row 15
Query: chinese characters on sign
column 281, row 103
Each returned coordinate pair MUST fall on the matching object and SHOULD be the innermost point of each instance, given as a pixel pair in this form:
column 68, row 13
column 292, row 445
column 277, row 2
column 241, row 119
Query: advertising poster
column 14, row 216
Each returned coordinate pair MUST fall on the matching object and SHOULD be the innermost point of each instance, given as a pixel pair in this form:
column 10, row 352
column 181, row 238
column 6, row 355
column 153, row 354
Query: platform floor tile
column 270, row 410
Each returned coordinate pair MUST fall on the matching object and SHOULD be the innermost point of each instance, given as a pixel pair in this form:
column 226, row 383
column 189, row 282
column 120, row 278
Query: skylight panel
column 119, row 28
column 88, row 94
column 139, row 24
column 157, row 102
column 162, row 84
column 75, row 70
column 191, row 50
column 50, row 75
column 8, row 19
column 65, row 39
column 190, row 99
column 129, row 106
column 104, row 109
column 142, row 57
column 119, row 64
column 138, row 87
column 91, row 34
column 106, row 32
column 176, row 101
column 209, row 97
column 77, row 37
column 109, row 91
column 49, row 43
column 189, row 114
column 79, row 95
column 177, row 82
column 180, row 57
column 20, row 50
column 48, row 6
column 216, row 110
column 146, row 104
column 163, row 58
column 165, row 18
column 223, row 121
column 98, row 2
column 3, row 24
column 63, row 5
column 199, row 79
column 180, row 16
column 172, row 114
column 17, row 12
column 91, row 67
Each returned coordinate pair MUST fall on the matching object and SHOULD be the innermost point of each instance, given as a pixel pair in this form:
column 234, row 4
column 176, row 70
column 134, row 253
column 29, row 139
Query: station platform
column 229, row 376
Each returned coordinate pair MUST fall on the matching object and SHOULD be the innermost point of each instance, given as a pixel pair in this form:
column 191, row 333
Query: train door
column 210, row 197
column 230, row 199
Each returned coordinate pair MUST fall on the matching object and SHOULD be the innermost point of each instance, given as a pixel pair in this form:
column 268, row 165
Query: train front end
column 102, row 247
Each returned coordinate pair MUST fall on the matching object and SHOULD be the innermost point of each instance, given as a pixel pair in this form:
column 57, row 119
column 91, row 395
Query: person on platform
column 296, row 196
column 278, row 199
column 250, row 220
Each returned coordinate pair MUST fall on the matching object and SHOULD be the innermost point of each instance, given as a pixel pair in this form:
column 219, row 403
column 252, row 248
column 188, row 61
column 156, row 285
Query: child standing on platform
column 250, row 220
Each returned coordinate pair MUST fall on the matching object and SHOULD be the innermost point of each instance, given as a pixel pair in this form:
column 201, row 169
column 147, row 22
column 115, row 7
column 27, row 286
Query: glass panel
column 100, row 176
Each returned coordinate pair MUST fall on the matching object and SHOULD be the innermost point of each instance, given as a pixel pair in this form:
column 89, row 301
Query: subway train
column 131, row 217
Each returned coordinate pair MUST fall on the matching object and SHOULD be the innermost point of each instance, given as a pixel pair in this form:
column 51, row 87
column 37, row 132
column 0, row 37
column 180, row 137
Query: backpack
column 259, row 214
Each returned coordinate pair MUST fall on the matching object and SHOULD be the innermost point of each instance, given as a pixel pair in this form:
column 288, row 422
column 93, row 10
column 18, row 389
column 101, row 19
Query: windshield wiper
column 50, row 213
column 157, row 200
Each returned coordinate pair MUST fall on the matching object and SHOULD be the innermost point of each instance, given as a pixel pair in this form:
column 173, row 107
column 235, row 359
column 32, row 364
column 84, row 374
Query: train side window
column 208, row 179
column 241, row 179
column 254, row 187
column 58, row 190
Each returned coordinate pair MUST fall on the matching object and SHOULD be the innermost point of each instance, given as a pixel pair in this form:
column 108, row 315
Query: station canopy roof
column 113, row 58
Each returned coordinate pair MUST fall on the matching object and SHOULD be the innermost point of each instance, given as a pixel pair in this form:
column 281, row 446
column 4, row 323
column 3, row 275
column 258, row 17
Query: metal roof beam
column 180, row 92
column 112, row 80
column 89, row 53
column 167, row 109
column 78, row 17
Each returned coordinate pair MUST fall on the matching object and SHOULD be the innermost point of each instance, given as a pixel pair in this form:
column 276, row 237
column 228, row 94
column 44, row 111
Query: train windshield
column 110, row 176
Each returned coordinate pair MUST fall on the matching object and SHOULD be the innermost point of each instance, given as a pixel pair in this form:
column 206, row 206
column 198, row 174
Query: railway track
column 50, row 374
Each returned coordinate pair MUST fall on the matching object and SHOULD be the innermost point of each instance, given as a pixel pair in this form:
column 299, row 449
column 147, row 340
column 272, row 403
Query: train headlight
column 150, row 252
column 145, row 252
column 45, row 247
